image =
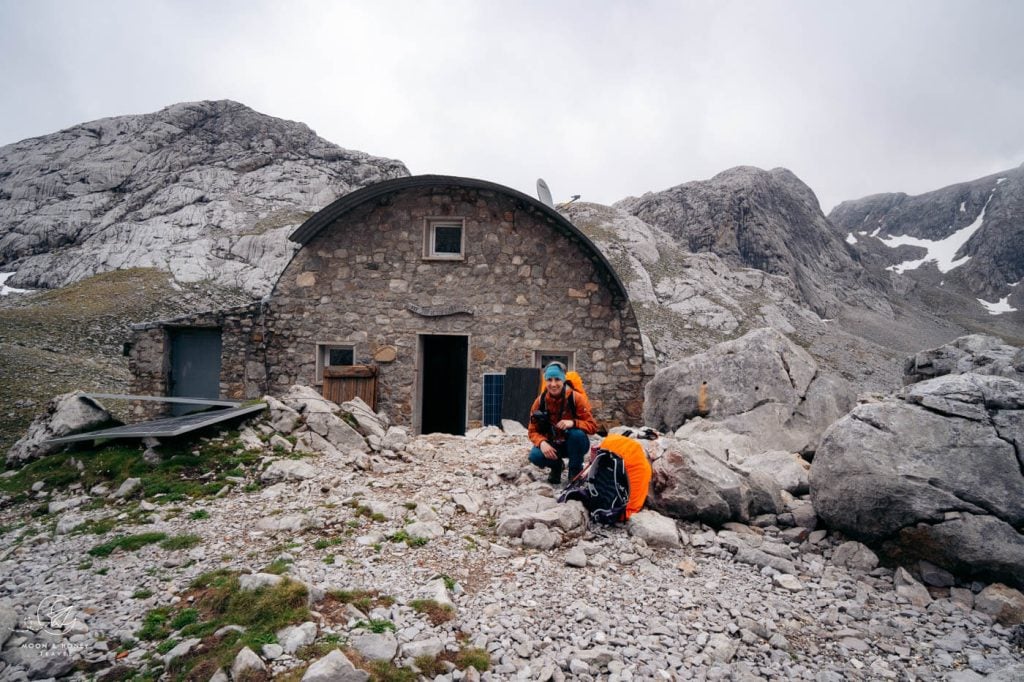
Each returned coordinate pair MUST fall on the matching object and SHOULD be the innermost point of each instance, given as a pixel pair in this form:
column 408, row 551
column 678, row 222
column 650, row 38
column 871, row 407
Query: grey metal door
column 195, row 366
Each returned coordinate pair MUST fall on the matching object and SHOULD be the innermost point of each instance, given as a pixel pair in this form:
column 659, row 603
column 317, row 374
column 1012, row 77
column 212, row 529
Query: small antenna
column 543, row 193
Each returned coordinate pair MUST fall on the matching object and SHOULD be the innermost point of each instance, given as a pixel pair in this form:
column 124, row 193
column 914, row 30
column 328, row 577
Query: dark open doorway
column 443, row 365
column 195, row 366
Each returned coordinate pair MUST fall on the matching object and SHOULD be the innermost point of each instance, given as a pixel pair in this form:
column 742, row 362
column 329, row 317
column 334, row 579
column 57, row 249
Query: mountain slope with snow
column 967, row 238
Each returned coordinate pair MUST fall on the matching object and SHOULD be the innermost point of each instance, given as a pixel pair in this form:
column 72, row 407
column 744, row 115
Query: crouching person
column 560, row 423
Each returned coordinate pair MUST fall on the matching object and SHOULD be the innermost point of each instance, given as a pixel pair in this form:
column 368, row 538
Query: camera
column 541, row 420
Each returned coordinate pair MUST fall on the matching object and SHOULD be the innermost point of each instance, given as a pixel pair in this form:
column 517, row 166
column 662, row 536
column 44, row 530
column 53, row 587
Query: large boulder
column 976, row 353
column 761, row 385
column 688, row 482
column 65, row 415
column 934, row 476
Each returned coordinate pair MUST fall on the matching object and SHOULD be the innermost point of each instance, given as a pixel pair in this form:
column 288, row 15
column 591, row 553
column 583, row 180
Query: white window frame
column 430, row 226
column 569, row 354
column 323, row 353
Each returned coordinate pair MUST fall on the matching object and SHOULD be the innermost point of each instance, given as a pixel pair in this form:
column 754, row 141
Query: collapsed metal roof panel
column 166, row 428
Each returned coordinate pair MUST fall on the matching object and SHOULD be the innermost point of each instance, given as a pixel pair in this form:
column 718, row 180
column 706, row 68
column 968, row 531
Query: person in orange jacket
column 560, row 427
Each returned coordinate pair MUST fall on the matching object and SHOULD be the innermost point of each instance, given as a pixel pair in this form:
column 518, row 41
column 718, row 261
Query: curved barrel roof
column 309, row 229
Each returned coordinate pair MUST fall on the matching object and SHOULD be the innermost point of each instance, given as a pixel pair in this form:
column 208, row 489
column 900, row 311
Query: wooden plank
column 351, row 371
column 342, row 384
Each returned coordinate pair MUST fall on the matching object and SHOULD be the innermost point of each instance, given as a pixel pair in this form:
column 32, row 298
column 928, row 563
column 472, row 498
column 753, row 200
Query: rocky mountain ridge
column 966, row 236
column 768, row 220
column 204, row 190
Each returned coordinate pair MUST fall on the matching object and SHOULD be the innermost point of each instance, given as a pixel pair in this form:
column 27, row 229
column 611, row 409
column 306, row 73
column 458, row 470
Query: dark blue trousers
column 575, row 448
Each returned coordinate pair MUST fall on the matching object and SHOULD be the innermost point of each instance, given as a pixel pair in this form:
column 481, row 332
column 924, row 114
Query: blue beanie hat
column 553, row 371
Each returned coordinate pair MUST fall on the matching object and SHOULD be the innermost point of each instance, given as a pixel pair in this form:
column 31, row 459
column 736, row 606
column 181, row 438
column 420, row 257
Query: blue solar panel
column 494, row 389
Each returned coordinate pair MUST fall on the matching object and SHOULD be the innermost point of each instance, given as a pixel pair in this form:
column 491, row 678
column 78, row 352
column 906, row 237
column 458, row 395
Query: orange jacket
column 559, row 409
column 638, row 469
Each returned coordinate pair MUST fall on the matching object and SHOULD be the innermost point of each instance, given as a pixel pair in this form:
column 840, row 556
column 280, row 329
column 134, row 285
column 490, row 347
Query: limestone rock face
column 760, row 385
column 206, row 190
column 684, row 299
column 977, row 353
column 768, row 220
column 936, row 476
column 66, row 414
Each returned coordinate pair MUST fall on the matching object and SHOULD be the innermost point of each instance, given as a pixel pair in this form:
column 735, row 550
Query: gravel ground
column 624, row 611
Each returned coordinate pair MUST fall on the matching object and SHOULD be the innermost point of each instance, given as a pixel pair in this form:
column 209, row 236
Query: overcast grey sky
column 602, row 99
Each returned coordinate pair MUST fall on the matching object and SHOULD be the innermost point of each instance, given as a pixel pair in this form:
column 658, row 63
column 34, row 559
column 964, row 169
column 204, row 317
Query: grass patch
column 364, row 600
column 144, row 593
column 377, row 625
column 277, row 566
column 128, row 543
column 201, row 513
column 217, row 600
column 403, row 536
column 189, row 469
column 435, row 612
column 180, row 542
column 473, row 657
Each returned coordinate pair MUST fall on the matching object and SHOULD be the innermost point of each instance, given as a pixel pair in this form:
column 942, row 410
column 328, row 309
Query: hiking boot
column 555, row 476
column 574, row 472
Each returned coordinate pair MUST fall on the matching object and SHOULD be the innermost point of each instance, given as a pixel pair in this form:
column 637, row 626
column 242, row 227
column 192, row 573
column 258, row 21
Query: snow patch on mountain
column 999, row 307
column 942, row 252
column 5, row 290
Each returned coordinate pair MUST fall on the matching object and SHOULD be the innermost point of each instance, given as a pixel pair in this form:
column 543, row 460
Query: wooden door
column 347, row 382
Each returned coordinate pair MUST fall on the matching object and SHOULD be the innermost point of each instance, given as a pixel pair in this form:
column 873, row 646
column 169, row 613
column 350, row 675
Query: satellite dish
column 543, row 193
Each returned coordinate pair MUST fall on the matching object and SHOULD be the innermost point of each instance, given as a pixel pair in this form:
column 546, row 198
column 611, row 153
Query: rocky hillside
column 205, row 190
column 965, row 238
column 768, row 220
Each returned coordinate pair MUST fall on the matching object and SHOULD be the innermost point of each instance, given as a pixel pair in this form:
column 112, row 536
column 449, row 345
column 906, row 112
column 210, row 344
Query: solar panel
column 494, row 385
column 173, row 426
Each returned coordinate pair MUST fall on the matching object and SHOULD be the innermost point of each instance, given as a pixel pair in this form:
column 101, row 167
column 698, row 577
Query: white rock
column 375, row 647
column 246, row 661
column 334, row 667
column 288, row 470
column 254, row 581
column 654, row 529
column 180, row 650
column 127, row 489
column 293, row 637
column 424, row 647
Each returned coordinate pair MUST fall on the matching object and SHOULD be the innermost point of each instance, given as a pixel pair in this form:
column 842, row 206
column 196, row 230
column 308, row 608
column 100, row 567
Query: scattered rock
column 246, row 662
column 654, row 529
column 1003, row 603
column 334, row 667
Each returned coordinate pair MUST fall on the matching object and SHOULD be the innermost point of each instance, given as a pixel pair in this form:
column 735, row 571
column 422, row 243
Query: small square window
column 543, row 358
column 444, row 239
column 333, row 355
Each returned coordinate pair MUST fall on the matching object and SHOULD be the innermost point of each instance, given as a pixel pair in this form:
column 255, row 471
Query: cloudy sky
column 602, row 99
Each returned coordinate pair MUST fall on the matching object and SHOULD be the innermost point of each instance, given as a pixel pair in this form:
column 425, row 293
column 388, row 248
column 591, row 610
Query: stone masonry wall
column 243, row 371
column 529, row 287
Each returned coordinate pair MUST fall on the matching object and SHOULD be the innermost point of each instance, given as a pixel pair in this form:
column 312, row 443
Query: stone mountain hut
column 423, row 295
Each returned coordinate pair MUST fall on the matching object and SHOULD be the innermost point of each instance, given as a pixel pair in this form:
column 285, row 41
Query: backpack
column 604, row 490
